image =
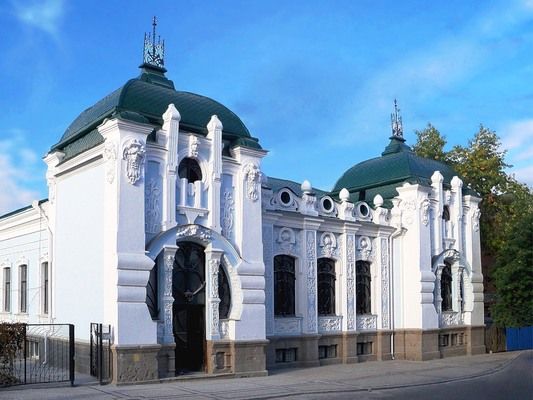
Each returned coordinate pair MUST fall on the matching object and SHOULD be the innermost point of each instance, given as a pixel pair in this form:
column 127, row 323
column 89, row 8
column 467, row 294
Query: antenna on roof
column 396, row 122
column 154, row 52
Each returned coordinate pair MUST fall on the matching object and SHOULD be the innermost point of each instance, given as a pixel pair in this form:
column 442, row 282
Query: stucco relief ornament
column 286, row 240
column 194, row 230
column 169, row 264
column 364, row 248
column 214, row 265
column 425, row 211
column 253, row 177
column 110, row 155
column 350, row 255
column 152, row 199
column 227, row 214
column 477, row 215
column 328, row 242
column 194, row 142
column 133, row 154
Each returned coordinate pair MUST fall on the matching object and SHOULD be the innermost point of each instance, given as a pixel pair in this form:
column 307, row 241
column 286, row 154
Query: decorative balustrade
column 329, row 324
column 450, row 318
column 288, row 326
column 367, row 322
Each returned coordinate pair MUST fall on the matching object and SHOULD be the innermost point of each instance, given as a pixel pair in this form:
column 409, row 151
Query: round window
column 363, row 210
column 327, row 204
column 285, row 197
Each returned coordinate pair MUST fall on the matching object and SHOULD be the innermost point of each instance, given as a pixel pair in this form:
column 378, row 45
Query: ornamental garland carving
column 194, row 230
column 110, row 155
column 215, row 326
column 384, row 285
column 152, row 200
column 350, row 277
column 476, row 216
column 311, row 282
column 450, row 319
column 227, row 214
column 253, row 178
column 169, row 265
column 213, row 267
column 133, row 153
column 224, row 329
column 425, row 211
column 194, row 142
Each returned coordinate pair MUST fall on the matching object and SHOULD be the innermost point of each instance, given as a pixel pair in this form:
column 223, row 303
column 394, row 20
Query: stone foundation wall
column 133, row 364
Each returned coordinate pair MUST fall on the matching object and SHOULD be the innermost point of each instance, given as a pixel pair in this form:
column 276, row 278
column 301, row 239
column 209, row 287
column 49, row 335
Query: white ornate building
column 161, row 223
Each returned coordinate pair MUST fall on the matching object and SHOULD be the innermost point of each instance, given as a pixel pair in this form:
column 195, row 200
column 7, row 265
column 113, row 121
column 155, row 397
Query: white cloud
column 18, row 170
column 435, row 68
column 517, row 140
column 41, row 14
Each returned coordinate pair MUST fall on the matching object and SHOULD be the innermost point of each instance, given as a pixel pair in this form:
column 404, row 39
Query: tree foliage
column 505, row 204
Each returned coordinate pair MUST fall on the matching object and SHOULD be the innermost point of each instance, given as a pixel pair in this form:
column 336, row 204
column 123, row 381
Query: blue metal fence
column 519, row 338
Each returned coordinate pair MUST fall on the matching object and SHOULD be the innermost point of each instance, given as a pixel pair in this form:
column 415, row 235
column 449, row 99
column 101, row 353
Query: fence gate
column 37, row 353
column 101, row 352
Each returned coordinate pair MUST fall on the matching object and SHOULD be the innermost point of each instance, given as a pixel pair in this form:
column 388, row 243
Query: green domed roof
column 145, row 99
column 382, row 175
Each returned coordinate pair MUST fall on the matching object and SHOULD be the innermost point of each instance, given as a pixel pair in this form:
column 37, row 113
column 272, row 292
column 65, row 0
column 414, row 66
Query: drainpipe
column 394, row 235
column 36, row 205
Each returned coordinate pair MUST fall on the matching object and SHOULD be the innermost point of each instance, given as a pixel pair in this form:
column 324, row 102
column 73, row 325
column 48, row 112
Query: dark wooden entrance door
column 188, row 290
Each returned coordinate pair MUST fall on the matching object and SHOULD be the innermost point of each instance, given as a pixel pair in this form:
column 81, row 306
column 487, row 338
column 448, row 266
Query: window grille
column 326, row 286
column 284, row 282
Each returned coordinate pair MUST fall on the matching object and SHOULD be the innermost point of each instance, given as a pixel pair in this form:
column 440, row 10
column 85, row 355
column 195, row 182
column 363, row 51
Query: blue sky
column 313, row 80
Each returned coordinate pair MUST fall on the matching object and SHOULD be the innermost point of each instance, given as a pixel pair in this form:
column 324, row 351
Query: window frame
column 285, row 276
column 446, row 281
column 45, row 288
column 363, row 287
column 23, row 288
column 326, row 278
column 7, row 283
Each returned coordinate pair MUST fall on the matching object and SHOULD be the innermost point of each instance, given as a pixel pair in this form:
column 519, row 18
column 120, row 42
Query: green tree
column 513, row 276
column 430, row 144
column 505, row 204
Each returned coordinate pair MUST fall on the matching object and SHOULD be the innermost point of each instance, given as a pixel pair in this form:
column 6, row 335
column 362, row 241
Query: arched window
column 284, row 279
column 446, row 213
column 326, row 286
column 224, row 294
column 190, row 170
column 363, row 281
column 446, row 287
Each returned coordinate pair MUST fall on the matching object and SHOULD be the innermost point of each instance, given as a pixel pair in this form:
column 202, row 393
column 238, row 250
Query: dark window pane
column 446, row 287
column 363, row 287
column 190, row 170
column 224, row 294
column 326, row 286
column 284, row 279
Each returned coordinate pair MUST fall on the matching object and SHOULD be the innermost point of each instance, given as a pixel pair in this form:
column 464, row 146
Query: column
column 212, row 260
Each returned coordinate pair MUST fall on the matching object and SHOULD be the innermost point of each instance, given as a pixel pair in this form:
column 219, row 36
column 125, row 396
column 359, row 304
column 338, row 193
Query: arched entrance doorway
column 188, row 291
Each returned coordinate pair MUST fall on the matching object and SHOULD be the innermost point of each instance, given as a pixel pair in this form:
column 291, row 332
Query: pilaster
column 170, row 132
column 214, row 129
column 212, row 260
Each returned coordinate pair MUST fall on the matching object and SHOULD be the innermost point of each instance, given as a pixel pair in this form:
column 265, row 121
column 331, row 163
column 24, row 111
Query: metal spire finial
column 154, row 53
column 396, row 122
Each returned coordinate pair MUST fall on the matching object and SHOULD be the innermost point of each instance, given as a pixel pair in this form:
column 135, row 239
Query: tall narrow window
column 224, row 294
column 7, row 289
column 363, row 287
column 446, row 287
column 190, row 169
column 446, row 221
column 284, row 279
column 23, row 288
column 45, row 287
column 326, row 286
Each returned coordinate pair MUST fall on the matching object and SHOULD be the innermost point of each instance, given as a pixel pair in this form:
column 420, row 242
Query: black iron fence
column 101, row 352
column 36, row 353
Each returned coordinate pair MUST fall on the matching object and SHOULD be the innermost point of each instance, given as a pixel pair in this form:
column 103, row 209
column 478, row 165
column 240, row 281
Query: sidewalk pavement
column 362, row 377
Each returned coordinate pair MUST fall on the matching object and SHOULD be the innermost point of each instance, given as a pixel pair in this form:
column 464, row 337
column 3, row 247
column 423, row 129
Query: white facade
column 117, row 213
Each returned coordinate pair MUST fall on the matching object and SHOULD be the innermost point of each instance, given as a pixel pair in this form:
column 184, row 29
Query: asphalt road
column 513, row 382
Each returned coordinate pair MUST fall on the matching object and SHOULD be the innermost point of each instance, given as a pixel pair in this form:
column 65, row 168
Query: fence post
column 71, row 353
column 101, row 353
column 24, row 351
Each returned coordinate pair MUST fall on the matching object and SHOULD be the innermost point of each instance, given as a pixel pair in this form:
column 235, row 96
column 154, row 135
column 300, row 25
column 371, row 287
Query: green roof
column 381, row 175
column 145, row 99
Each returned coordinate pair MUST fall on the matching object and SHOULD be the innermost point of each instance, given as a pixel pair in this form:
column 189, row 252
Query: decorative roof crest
column 154, row 53
column 396, row 122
